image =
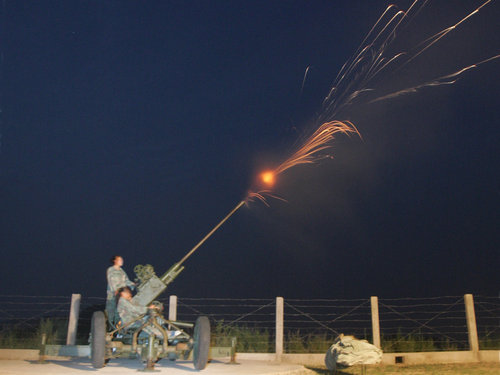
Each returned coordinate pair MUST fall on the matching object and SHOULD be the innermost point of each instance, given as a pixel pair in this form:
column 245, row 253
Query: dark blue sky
column 132, row 127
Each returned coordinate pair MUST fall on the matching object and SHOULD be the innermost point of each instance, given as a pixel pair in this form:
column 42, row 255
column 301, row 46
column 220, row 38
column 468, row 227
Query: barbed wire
column 440, row 319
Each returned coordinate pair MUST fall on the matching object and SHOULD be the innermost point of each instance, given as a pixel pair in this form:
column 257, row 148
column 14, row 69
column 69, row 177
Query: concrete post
column 73, row 319
column 279, row 327
column 375, row 321
column 471, row 323
column 43, row 346
column 172, row 308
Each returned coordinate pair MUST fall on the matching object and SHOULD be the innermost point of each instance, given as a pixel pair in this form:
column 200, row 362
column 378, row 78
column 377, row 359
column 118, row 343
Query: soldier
column 127, row 309
column 117, row 278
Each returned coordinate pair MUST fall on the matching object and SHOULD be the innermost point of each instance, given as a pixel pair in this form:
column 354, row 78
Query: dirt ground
column 461, row 369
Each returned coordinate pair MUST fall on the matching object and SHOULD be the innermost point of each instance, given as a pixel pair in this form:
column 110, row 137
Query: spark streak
column 357, row 77
column 435, row 38
column 304, row 80
column 444, row 80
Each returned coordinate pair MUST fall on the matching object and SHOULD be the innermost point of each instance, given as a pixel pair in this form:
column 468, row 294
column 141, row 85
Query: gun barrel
column 238, row 206
column 172, row 273
column 155, row 285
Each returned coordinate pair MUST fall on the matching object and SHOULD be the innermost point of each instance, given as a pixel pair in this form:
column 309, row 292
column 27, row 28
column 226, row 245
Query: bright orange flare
column 267, row 177
column 310, row 152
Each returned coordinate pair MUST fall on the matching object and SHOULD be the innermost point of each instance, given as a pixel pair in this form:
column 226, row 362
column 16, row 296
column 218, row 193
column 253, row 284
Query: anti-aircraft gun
column 150, row 336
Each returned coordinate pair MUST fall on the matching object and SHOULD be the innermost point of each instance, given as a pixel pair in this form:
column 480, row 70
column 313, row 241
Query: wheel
column 201, row 342
column 98, row 342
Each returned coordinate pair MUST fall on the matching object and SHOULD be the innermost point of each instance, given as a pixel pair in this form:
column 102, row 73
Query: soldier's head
column 125, row 292
column 116, row 260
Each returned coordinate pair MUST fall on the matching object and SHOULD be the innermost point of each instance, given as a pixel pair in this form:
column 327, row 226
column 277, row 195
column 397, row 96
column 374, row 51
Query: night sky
column 133, row 127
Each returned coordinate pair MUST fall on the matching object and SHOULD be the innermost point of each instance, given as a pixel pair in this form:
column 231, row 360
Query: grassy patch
column 444, row 369
column 489, row 343
column 415, row 342
column 297, row 342
column 257, row 340
column 249, row 339
column 23, row 338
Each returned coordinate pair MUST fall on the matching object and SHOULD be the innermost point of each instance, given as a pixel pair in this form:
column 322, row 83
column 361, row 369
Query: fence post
column 375, row 321
column 73, row 319
column 279, row 327
column 172, row 308
column 471, row 323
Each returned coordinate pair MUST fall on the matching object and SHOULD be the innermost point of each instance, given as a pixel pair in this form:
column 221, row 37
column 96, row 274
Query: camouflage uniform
column 117, row 278
column 129, row 311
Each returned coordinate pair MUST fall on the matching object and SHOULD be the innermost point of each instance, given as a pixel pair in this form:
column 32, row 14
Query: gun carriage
column 150, row 336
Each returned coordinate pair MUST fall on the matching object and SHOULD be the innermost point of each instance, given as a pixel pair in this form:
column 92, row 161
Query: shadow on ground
column 133, row 364
column 323, row 371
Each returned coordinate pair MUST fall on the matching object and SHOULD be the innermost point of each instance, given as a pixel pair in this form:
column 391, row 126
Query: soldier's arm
column 127, row 281
column 137, row 309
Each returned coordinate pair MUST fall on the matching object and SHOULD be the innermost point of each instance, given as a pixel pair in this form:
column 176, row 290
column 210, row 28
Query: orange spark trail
column 308, row 153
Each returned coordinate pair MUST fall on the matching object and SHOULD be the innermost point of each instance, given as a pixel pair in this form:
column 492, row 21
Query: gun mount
column 151, row 286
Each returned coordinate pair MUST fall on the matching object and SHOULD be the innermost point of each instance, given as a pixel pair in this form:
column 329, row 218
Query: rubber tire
column 201, row 342
column 98, row 343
